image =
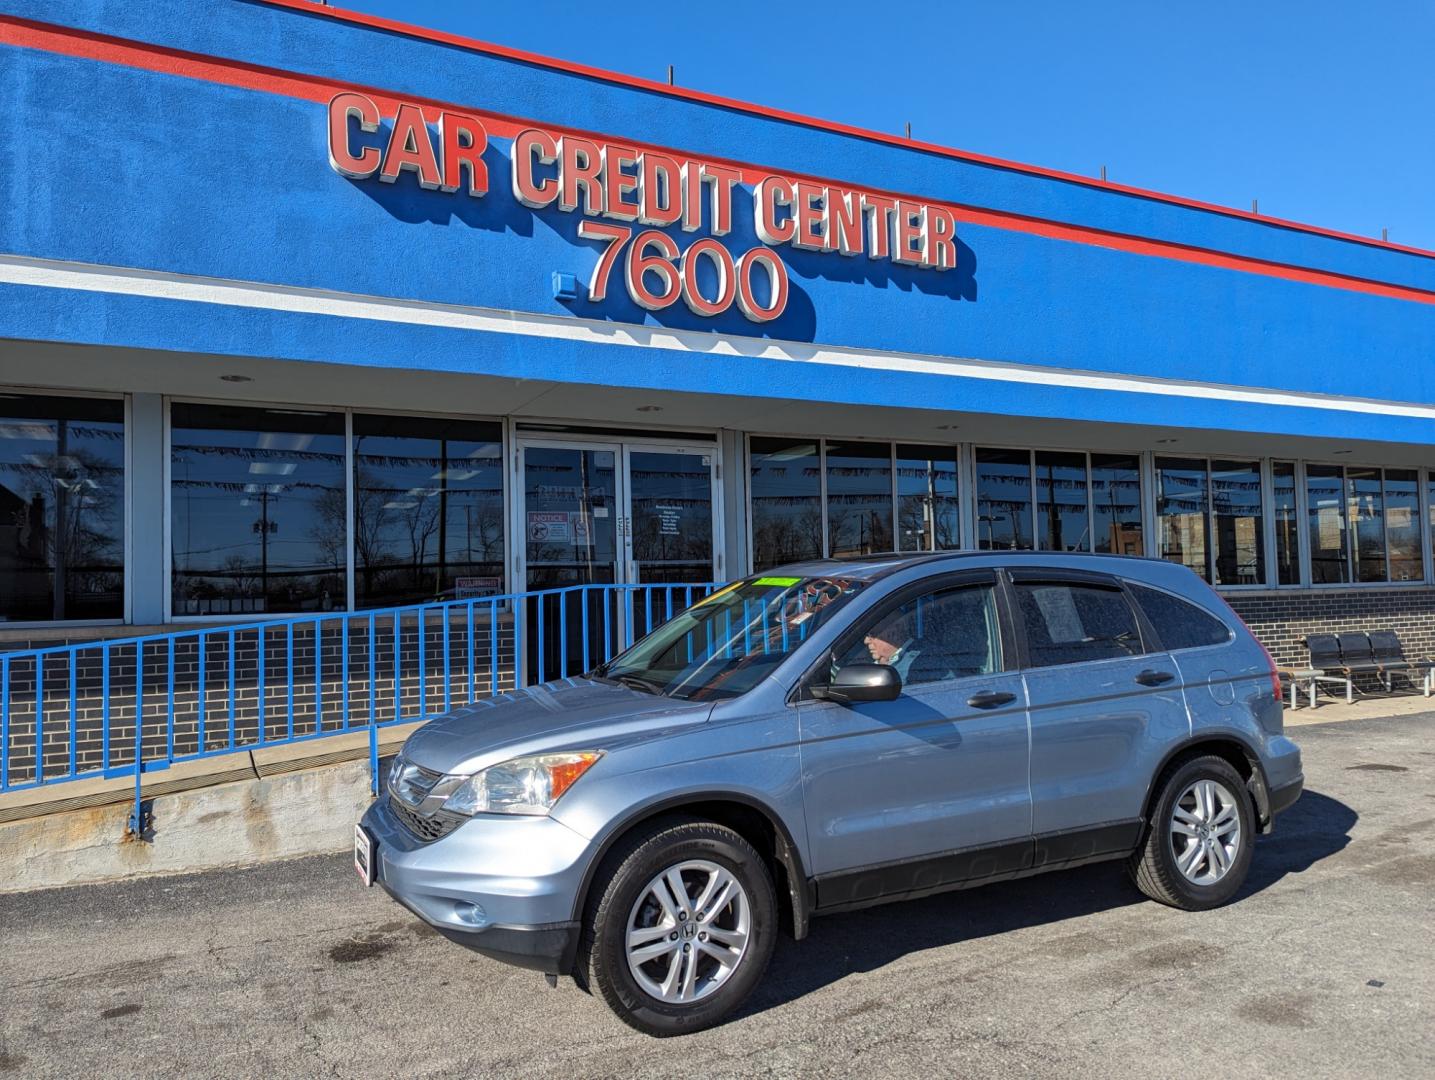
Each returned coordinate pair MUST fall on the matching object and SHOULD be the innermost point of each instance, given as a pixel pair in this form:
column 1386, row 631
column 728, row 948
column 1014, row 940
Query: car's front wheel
column 1199, row 837
column 680, row 927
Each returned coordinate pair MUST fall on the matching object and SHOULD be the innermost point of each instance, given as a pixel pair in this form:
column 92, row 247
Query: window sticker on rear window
column 776, row 582
column 1058, row 608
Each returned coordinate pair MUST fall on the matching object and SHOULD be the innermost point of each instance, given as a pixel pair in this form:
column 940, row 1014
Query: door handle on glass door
column 990, row 699
column 1150, row 677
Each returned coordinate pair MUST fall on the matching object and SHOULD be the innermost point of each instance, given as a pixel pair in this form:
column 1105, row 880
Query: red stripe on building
column 66, row 41
column 422, row 33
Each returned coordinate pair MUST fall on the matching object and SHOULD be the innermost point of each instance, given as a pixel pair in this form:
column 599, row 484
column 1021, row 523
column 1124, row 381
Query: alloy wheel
column 1205, row 832
column 688, row 931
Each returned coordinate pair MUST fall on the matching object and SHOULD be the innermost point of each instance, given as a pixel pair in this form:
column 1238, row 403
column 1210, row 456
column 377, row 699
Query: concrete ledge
column 232, row 824
column 199, row 773
column 239, row 809
column 314, row 753
column 78, row 794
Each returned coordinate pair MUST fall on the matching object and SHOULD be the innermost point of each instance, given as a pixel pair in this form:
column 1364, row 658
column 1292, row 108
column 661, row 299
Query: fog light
column 471, row 914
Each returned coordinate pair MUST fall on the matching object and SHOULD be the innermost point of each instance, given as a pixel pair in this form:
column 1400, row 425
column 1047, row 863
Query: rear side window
column 1179, row 624
column 1066, row 624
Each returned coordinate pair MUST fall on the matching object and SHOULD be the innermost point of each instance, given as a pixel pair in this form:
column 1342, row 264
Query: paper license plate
column 364, row 854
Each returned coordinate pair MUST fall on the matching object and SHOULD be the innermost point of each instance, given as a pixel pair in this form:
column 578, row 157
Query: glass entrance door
column 570, row 524
column 571, row 517
column 670, row 529
column 608, row 514
column 670, row 497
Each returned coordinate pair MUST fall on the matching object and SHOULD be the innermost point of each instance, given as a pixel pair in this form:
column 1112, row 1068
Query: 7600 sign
column 653, row 259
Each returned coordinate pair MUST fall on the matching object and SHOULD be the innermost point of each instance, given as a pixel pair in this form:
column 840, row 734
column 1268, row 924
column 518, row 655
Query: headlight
column 526, row 785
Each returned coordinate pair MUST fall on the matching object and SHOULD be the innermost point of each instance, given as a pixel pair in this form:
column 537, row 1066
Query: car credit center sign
column 622, row 190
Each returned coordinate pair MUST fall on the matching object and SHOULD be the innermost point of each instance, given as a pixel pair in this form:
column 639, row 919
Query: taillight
column 1276, row 689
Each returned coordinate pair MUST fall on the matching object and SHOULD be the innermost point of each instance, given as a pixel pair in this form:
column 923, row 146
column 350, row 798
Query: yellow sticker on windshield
column 777, row 582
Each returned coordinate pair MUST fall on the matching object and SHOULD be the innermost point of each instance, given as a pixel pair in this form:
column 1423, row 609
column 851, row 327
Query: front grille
column 412, row 780
column 427, row 829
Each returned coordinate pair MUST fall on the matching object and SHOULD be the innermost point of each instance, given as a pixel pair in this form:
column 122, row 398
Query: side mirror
column 861, row 682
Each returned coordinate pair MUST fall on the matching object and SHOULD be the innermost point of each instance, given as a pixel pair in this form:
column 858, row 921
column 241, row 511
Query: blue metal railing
column 135, row 706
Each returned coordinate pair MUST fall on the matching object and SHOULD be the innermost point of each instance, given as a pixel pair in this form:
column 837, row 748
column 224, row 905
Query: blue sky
column 1322, row 110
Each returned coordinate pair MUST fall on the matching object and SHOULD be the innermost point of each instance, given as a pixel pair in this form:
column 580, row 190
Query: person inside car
column 894, row 645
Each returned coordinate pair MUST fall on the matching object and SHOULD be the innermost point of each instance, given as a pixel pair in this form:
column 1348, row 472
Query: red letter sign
column 342, row 160
column 464, row 141
column 410, row 148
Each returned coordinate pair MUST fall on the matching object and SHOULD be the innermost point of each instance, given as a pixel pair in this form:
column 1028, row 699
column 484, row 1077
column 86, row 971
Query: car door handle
column 990, row 699
column 1151, row 677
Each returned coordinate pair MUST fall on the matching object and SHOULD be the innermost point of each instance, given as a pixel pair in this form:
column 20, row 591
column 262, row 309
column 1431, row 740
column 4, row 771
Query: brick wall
column 1282, row 619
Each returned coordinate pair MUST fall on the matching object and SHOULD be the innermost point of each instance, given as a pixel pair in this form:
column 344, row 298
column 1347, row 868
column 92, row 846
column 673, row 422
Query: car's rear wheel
column 1199, row 836
column 680, row 927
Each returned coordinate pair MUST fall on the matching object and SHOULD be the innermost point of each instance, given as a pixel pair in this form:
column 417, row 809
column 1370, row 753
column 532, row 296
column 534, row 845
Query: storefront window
column 62, row 508
column 1430, row 502
column 1283, row 506
column 1402, row 525
column 928, row 510
column 1325, row 517
column 258, row 510
column 786, row 491
column 1003, row 500
column 1062, row 523
column 1116, row 503
column 1365, row 511
column 859, row 498
column 1236, row 520
column 428, row 509
column 1181, row 503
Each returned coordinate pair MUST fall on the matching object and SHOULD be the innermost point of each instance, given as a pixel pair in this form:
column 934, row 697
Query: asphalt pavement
column 1325, row 967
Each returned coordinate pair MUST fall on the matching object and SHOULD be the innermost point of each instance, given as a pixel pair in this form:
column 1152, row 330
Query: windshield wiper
column 637, row 682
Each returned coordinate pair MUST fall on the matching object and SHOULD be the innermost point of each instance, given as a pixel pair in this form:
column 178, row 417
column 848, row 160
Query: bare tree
column 371, row 517
column 422, row 522
column 245, row 581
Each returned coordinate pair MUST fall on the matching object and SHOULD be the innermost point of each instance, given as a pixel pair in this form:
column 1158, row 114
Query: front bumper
column 506, row 887
column 552, row 950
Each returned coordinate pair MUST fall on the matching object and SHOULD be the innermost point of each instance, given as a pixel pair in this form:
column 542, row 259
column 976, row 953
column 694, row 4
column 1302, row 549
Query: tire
column 626, row 894
column 1180, row 823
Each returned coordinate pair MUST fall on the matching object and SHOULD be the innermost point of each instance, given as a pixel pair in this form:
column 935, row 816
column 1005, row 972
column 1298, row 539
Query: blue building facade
column 307, row 311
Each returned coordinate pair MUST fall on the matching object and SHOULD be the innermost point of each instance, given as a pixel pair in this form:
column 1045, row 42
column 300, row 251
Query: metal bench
column 1327, row 659
column 1359, row 657
column 1389, row 653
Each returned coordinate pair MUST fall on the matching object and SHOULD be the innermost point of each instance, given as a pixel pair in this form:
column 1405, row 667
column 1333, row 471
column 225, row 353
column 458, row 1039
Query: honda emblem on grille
column 410, row 783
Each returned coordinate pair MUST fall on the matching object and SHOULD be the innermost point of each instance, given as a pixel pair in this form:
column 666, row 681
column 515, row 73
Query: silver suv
column 831, row 735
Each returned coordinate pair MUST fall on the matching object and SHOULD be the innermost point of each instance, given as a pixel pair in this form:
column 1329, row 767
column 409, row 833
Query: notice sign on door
column 669, row 517
column 548, row 527
column 467, row 588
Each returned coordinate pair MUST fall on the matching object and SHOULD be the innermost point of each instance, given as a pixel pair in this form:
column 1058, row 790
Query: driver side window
column 948, row 634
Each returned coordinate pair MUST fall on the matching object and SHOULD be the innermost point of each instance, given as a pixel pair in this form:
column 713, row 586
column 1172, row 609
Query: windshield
column 725, row 644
